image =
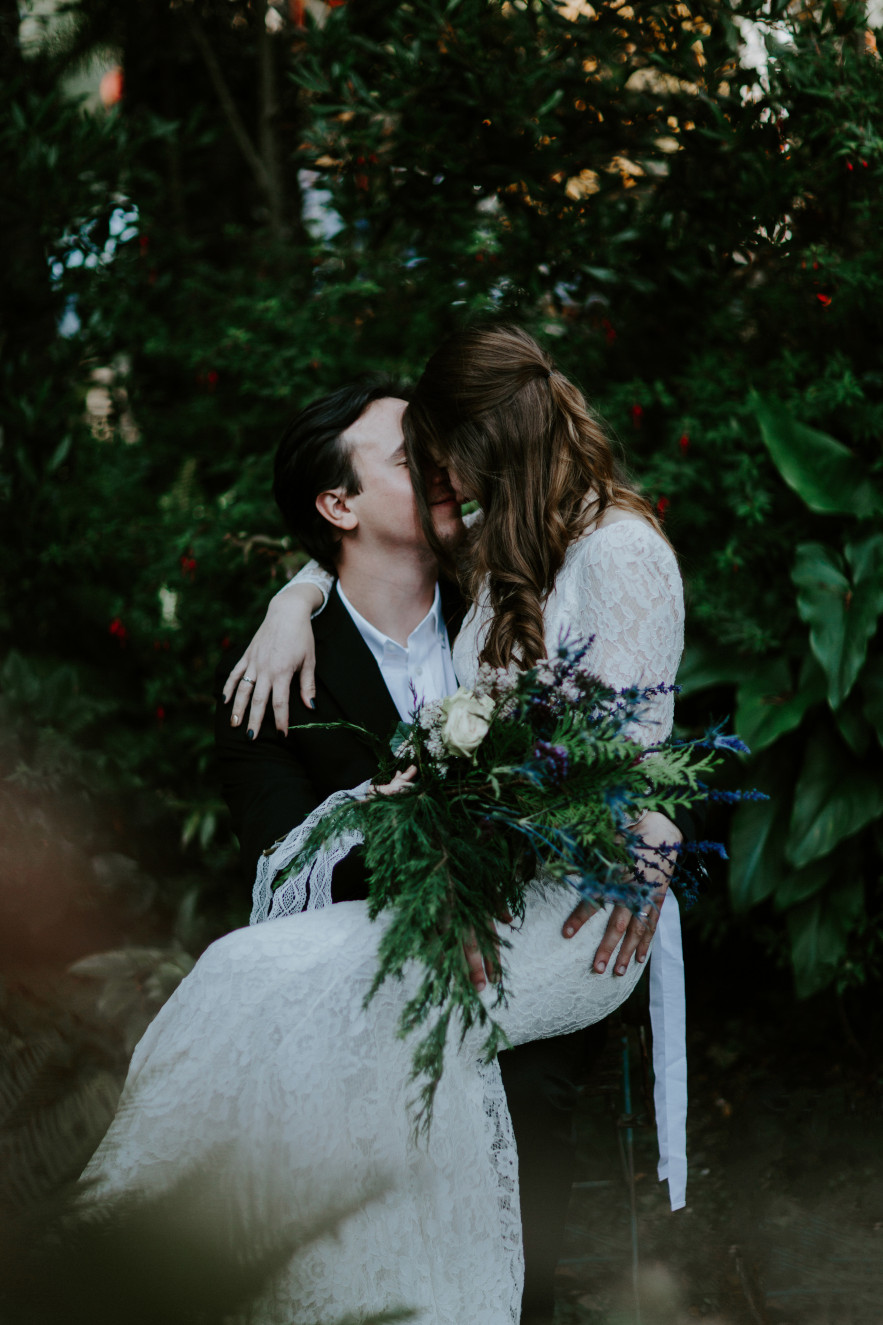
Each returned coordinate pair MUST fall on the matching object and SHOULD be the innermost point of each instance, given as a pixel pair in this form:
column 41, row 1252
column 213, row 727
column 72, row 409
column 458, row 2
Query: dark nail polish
column 312, row 703
column 250, row 734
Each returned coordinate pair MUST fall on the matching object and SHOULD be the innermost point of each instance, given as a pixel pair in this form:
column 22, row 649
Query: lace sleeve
column 310, row 890
column 622, row 585
column 312, row 573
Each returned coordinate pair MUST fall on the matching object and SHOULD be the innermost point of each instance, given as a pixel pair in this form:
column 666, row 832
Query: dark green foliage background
column 721, row 305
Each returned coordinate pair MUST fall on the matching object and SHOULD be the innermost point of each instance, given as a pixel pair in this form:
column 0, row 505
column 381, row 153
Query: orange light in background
column 110, row 89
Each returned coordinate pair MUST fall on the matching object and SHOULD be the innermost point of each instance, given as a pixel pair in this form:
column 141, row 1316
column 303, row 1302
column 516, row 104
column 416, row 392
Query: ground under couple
column 266, row 1063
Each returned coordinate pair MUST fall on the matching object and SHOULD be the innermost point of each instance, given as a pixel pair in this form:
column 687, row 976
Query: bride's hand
column 657, row 867
column 283, row 645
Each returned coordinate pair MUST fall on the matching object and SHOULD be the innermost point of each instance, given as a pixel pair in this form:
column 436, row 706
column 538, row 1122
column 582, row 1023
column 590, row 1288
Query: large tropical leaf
column 757, row 851
column 759, row 829
column 703, row 667
column 802, row 884
column 872, row 693
column 835, row 797
column 841, row 601
column 822, row 471
column 853, row 725
column 819, row 931
column 769, row 705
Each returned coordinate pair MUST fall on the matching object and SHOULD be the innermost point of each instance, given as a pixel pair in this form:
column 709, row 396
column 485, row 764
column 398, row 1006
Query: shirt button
column 418, row 671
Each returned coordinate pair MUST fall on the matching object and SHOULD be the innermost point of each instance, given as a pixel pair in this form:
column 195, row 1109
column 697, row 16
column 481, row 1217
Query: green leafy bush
column 699, row 243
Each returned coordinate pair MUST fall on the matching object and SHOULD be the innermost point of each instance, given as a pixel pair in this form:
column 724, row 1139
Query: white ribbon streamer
column 668, row 1019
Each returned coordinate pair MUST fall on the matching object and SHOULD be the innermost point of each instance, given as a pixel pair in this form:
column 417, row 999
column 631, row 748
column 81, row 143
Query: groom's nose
column 438, row 483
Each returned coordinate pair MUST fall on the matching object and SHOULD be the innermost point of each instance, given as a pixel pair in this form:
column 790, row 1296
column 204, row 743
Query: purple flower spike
column 554, row 758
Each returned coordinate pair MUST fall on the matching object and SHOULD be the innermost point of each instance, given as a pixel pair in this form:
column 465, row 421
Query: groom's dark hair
column 312, row 458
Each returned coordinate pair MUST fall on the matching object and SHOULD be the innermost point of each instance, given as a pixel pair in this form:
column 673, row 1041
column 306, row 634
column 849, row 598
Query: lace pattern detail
column 500, row 1147
column 621, row 585
column 309, row 890
column 312, row 573
column 266, row 1070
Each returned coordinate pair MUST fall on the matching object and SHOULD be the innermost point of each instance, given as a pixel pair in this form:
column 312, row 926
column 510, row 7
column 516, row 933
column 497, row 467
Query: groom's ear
column 334, row 506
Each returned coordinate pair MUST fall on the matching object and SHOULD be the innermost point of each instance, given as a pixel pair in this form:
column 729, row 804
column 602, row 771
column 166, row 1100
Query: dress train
column 265, row 1068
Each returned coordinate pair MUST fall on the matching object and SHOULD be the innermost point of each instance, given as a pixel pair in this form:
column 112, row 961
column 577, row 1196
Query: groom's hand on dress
column 481, row 969
column 659, row 835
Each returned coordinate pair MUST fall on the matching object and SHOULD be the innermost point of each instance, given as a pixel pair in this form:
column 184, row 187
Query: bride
column 265, row 1067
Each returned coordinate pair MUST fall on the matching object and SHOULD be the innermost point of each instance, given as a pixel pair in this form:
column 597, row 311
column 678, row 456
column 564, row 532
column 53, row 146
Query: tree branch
column 267, row 112
column 228, row 105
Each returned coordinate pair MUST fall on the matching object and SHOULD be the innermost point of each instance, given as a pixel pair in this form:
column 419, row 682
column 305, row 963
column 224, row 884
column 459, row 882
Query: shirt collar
column 432, row 625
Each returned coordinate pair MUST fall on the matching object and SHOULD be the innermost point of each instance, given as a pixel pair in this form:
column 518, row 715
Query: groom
column 343, row 485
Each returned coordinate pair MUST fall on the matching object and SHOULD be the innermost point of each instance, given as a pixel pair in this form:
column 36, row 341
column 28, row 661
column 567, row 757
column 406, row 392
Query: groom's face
column 386, row 509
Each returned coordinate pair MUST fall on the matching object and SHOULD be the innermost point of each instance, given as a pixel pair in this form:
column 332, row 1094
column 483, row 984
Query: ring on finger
column 644, row 915
column 249, row 680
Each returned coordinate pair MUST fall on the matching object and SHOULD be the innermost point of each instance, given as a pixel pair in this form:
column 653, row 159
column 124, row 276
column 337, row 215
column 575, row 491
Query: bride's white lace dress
column 266, row 1066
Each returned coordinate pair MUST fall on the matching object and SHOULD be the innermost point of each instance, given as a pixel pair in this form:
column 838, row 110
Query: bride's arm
column 625, row 590
column 282, row 647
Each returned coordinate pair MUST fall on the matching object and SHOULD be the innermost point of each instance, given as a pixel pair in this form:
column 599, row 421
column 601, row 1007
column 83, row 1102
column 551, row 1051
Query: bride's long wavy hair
column 521, row 439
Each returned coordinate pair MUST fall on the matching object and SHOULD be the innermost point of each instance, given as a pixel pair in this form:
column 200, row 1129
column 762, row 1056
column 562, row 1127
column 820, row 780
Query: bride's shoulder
column 624, row 558
column 623, row 549
column 627, row 531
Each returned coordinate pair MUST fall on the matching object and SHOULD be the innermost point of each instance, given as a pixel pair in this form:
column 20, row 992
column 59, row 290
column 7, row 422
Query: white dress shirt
column 422, row 667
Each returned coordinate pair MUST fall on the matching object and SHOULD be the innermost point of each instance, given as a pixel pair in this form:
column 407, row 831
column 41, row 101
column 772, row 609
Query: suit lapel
column 453, row 606
column 346, row 668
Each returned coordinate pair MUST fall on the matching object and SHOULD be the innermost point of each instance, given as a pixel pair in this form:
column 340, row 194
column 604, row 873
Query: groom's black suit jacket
column 273, row 782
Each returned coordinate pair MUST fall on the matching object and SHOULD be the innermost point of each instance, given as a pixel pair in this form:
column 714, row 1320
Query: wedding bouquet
column 528, row 777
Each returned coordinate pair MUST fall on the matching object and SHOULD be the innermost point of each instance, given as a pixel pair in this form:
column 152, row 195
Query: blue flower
column 735, row 797
column 733, row 743
column 715, row 739
column 707, row 848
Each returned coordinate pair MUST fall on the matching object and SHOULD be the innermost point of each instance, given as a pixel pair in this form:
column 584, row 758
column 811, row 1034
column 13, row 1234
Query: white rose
column 467, row 718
